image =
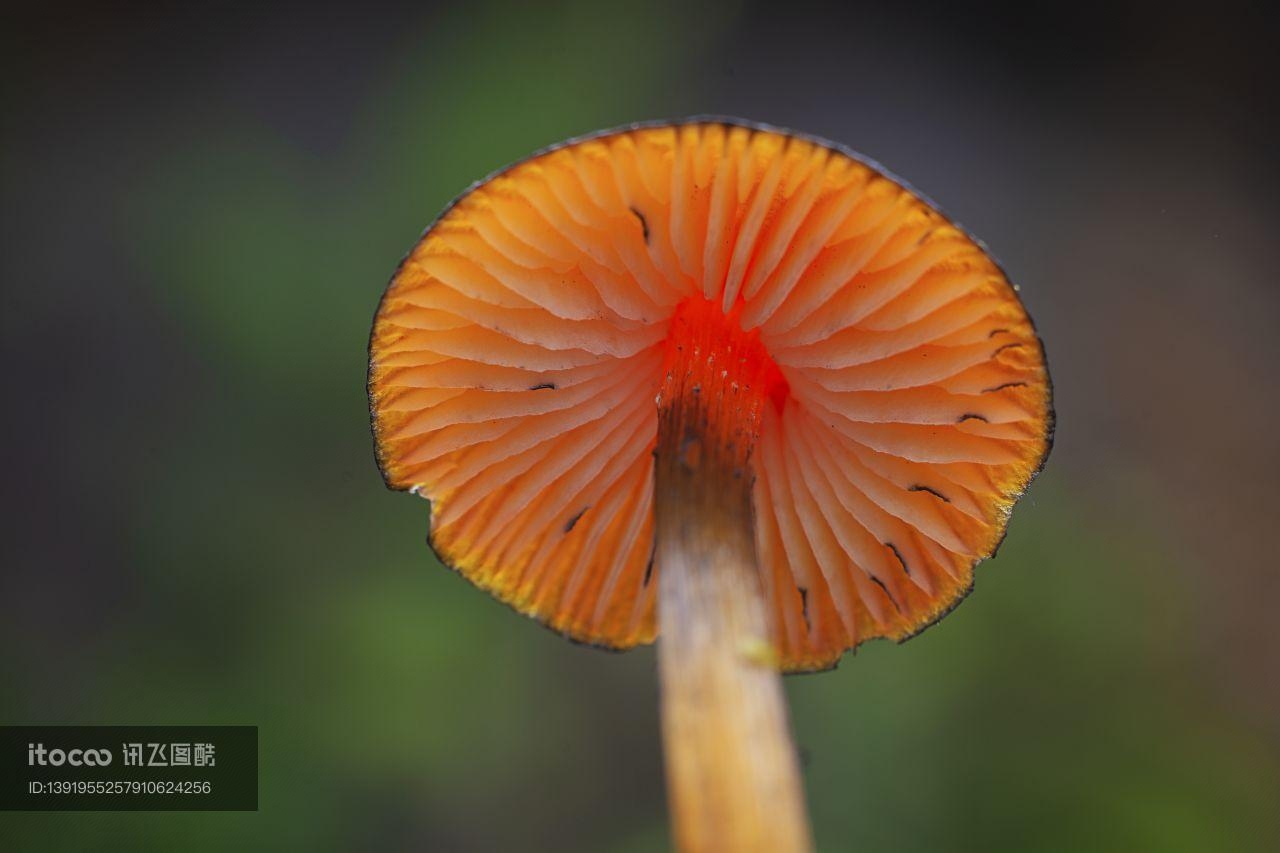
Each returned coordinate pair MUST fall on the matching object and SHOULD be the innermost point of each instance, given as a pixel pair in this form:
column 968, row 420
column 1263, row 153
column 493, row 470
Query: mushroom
column 718, row 382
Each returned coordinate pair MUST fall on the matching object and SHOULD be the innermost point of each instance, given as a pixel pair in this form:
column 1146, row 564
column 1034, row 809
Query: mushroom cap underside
column 518, row 354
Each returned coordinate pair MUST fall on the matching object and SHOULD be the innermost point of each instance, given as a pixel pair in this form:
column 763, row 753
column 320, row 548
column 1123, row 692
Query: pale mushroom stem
column 733, row 778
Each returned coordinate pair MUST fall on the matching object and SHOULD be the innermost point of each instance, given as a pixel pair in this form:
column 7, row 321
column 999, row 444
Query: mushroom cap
column 519, row 351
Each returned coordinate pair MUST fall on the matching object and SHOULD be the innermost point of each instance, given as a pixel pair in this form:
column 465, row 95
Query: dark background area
column 201, row 207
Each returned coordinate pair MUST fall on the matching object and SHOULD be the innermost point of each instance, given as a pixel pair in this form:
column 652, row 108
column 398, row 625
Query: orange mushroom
column 720, row 382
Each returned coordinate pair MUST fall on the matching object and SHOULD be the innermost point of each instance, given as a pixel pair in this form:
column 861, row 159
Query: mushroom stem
column 733, row 779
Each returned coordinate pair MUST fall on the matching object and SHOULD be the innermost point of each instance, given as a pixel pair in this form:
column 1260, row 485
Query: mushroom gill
column 866, row 359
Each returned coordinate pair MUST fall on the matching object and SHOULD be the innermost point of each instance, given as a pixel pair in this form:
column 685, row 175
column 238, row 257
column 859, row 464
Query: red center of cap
column 728, row 371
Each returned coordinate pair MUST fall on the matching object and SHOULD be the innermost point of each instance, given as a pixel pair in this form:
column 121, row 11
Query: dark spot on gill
column 995, row 332
column 937, row 494
column 543, row 386
column 568, row 525
column 1004, row 386
column 644, row 224
column 648, row 570
column 875, row 580
column 970, row 416
column 898, row 554
column 1001, row 349
column 804, row 607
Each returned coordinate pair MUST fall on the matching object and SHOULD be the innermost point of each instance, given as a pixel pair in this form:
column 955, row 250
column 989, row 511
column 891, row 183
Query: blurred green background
column 201, row 207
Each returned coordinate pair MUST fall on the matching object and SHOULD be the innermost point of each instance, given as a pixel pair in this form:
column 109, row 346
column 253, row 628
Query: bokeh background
column 200, row 208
